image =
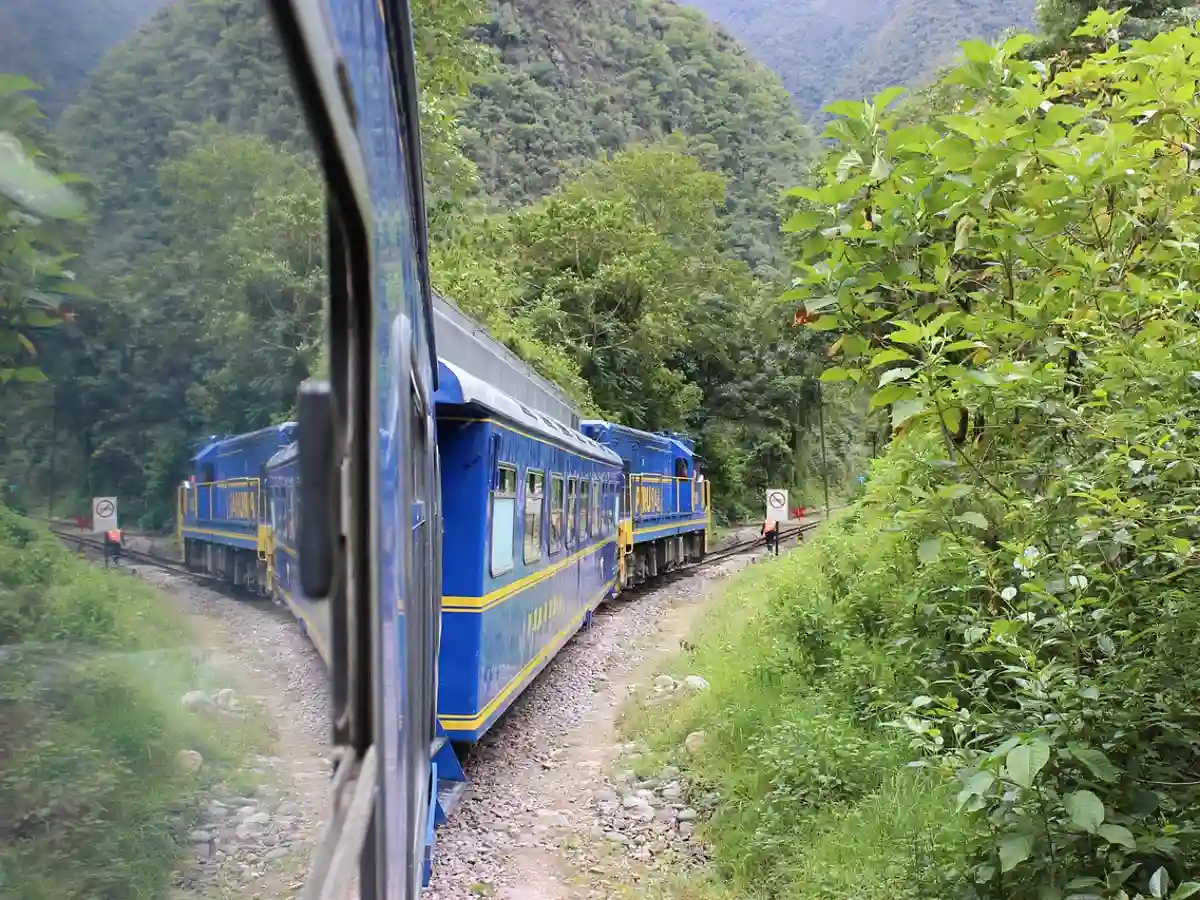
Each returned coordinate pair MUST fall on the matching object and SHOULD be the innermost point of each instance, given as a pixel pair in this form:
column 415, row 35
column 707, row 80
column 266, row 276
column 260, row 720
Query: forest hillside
column 605, row 183
column 825, row 50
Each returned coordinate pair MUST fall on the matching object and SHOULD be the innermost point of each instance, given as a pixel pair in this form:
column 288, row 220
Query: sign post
column 777, row 504
column 104, row 514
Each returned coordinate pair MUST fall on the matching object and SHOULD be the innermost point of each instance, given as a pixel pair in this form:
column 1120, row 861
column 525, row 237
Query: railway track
column 95, row 547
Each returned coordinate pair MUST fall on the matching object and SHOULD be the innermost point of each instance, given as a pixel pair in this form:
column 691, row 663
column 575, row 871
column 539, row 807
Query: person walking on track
column 770, row 531
column 112, row 546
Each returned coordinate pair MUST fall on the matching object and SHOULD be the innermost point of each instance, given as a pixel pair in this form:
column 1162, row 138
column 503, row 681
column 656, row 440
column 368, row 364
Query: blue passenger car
column 529, row 510
column 665, row 509
column 222, row 510
column 281, row 489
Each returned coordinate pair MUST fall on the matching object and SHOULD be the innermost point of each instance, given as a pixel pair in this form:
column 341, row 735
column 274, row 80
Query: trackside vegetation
column 99, row 773
column 981, row 681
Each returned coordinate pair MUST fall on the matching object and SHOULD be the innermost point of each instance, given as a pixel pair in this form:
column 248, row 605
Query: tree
column 1015, row 283
column 36, row 207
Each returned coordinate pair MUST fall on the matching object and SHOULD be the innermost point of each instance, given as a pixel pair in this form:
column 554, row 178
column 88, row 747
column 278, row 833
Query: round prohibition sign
column 776, row 499
column 104, row 509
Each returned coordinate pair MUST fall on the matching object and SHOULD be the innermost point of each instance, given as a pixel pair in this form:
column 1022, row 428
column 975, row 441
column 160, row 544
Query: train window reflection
column 504, row 517
column 533, row 515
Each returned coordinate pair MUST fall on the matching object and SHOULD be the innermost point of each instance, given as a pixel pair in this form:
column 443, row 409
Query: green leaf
column 962, row 233
column 1095, row 761
column 816, row 304
column 11, row 84
column 805, row 220
column 36, row 318
column 1016, row 43
column 892, row 354
column 955, row 491
column 825, row 323
column 880, row 169
column 884, row 98
column 894, row 375
column 30, row 374
column 978, row 51
column 1023, row 762
column 836, row 373
column 1014, row 850
column 1084, row 809
column 929, row 550
column 844, row 108
column 1118, row 834
column 889, row 394
column 1159, row 882
column 1185, row 890
column 903, row 410
column 973, row 518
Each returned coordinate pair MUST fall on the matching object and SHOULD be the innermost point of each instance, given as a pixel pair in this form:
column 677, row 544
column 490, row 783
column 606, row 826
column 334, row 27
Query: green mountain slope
column 826, row 50
column 57, row 42
column 583, row 78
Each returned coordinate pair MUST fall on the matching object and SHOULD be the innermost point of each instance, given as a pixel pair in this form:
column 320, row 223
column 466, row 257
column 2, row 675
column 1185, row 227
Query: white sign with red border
column 104, row 514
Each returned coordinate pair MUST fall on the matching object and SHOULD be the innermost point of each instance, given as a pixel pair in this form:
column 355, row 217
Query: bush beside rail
column 93, row 664
column 876, row 730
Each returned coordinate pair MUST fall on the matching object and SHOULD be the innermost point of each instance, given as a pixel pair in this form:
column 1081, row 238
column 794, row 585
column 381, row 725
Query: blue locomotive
column 544, row 517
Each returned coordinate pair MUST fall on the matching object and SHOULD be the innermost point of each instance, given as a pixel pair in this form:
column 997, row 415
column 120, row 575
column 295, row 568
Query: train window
column 584, row 507
column 535, row 486
column 572, row 490
column 557, row 492
column 504, row 516
column 681, row 467
column 208, row 473
column 596, row 527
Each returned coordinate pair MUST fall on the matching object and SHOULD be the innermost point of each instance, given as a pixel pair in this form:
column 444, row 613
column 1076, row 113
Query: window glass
column 572, row 488
column 504, row 516
column 596, row 527
column 534, row 498
column 557, row 495
column 584, row 506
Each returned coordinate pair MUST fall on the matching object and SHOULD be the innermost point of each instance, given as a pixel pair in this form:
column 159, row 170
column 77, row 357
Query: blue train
column 543, row 520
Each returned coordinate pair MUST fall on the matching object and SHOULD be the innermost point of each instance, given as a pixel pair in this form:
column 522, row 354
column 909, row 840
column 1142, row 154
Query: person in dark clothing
column 770, row 531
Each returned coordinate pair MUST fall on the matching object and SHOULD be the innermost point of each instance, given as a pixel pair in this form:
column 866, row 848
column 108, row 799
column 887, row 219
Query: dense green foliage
column 1012, row 607
column 629, row 285
column 826, row 50
column 580, row 80
column 92, row 668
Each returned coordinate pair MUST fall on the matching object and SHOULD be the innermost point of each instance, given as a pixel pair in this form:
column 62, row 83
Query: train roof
column 667, row 441
column 231, row 443
column 457, row 387
column 466, row 344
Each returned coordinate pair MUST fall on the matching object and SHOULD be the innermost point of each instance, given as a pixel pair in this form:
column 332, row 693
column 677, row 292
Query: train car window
column 207, row 473
column 557, row 495
column 681, row 467
column 572, row 491
column 584, row 508
column 534, row 498
column 504, row 517
column 595, row 514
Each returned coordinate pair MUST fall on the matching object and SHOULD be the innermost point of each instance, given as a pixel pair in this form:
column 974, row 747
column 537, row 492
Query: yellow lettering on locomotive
column 650, row 498
column 242, row 505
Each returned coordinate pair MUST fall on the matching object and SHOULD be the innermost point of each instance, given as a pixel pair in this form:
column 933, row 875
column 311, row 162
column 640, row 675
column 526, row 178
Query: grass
column 93, row 799
column 817, row 797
